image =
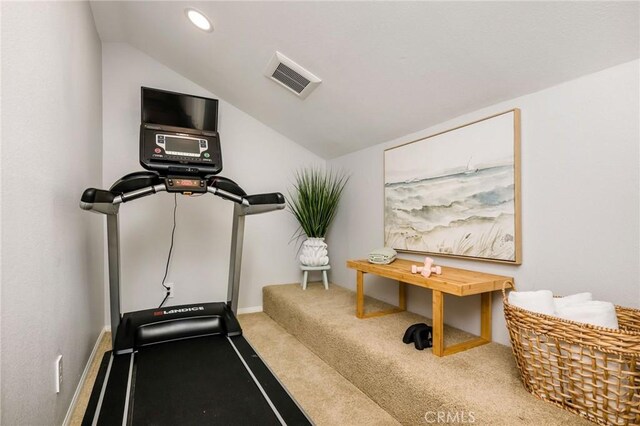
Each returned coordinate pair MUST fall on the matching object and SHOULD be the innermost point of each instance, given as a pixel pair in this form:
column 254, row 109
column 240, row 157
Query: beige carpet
column 327, row 397
column 482, row 383
column 85, row 392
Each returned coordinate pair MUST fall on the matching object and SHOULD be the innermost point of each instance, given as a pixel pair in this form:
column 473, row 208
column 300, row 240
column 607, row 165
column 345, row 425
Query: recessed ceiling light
column 198, row 19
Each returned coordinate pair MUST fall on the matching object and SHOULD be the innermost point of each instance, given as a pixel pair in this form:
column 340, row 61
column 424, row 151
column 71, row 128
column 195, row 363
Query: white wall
column 0, row 218
column 52, row 293
column 255, row 156
column 580, row 199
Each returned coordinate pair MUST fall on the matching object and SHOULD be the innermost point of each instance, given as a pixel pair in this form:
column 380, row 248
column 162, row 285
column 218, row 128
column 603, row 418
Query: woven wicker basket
column 588, row 370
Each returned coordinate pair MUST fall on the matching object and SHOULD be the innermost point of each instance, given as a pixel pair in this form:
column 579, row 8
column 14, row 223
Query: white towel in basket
column 561, row 302
column 594, row 312
column 540, row 301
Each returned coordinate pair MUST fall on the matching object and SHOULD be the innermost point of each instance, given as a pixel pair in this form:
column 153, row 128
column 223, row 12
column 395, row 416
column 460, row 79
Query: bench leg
column 360, row 300
column 304, row 279
column 438, row 323
column 359, row 294
column 485, row 330
column 325, row 280
column 485, row 316
column 402, row 295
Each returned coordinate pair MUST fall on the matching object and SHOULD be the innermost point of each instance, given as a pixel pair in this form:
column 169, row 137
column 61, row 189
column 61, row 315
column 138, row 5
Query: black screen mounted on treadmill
column 178, row 110
column 178, row 134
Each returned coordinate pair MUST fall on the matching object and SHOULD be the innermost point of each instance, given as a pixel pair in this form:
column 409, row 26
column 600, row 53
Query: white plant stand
column 305, row 274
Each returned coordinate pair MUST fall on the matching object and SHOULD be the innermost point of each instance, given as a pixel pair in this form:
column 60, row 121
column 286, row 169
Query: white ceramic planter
column 314, row 252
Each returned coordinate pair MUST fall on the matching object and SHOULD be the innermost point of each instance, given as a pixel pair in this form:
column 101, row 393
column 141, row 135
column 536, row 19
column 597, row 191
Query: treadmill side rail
column 290, row 413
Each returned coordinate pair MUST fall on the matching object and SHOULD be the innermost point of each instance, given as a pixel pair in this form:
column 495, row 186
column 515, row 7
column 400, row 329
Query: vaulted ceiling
column 387, row 68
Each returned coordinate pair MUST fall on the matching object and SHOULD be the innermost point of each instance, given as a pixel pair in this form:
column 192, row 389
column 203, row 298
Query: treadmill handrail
column 139, row 193
column 248, row 208
column 227, row 195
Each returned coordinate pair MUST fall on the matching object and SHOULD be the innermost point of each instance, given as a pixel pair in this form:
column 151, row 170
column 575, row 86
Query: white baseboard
column 83, row 378
column 250, row 310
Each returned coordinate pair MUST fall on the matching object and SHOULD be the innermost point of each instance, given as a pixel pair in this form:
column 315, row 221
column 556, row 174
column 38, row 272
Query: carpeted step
column 328, row 398
column 479, row 386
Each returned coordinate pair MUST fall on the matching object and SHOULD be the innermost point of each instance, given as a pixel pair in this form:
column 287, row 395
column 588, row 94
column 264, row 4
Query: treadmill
column 186, row 364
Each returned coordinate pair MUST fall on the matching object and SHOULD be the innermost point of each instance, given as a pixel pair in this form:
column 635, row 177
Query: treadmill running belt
column 196, row 381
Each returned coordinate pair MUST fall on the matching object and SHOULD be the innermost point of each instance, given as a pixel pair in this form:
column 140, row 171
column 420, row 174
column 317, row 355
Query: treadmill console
column 185, row 185
column 178, row 134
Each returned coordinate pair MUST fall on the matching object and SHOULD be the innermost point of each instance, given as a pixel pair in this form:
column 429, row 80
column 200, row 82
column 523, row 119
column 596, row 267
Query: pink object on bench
column 427, row 269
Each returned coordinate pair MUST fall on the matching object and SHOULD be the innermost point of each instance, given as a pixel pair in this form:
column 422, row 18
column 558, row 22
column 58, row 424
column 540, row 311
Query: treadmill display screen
column 178, row 110
column 191, row 146
column 188, row 182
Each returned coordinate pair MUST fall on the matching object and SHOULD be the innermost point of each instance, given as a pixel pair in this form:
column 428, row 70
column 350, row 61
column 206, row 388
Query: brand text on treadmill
column 175, row 311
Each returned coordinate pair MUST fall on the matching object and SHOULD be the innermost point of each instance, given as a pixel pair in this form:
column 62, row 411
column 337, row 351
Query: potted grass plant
column 313, row 201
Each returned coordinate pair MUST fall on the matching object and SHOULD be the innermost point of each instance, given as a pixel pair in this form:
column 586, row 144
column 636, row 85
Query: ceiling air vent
column 291, row 75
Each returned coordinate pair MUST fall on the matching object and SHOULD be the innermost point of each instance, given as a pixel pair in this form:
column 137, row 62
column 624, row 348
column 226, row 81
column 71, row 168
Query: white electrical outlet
column 170, row 289
column 58, row 378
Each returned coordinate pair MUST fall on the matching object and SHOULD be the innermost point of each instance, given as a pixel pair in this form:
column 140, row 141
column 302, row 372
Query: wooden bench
column 459, row 282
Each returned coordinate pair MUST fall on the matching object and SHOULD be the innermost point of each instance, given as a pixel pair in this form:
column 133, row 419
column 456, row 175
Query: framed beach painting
column 457, row 193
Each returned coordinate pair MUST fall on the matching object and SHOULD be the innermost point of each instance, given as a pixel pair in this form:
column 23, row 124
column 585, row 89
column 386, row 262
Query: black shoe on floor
column 410, row 333
column 423, row 338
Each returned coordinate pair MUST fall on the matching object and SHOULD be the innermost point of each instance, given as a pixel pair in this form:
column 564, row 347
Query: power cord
column 173, row 232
